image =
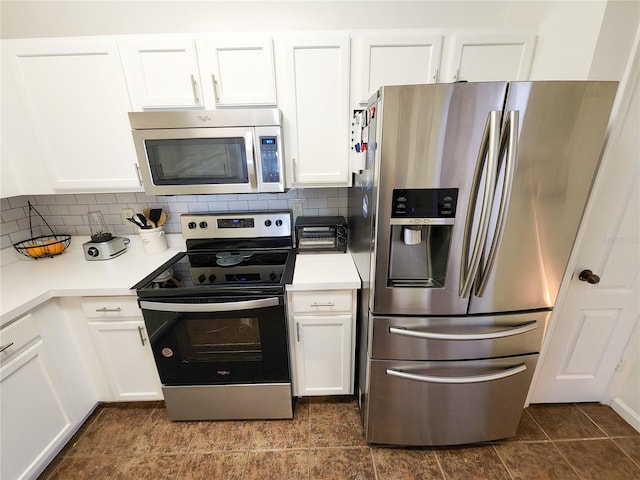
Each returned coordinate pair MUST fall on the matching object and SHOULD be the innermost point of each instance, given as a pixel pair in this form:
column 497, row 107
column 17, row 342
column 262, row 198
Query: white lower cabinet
column 322, row 334
column 44, row 393
column 119, row 335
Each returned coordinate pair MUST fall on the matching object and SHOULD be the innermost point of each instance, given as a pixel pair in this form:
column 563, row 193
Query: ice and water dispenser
column 421, row 225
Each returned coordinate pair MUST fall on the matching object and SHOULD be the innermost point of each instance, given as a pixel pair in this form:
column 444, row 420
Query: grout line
column 566, row 459
column 537, row 424
column 502, row 461
column 591, row 419
column 637, row 464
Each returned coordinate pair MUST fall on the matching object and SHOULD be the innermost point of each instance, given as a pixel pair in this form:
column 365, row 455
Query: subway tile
column 198, row 207
column 5, row 241
column 86, row 198
column 227, row 197
column 13, row 214
column 10, row 227
column 278, row 204
column 105, row 198
column 238, row 205
column 4, row 204
column 338, row 202
column 66, row 199
column 330, row 212
column 59, row 210
column 18, row 202
column 255, row 205
column 316, row 202
column 126, row 198
column 78, row 209
column 204, row 198
column 72, row 220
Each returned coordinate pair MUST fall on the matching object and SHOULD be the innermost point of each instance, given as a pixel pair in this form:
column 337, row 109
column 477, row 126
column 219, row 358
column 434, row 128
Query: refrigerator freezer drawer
column 446, row 403
column 457, row 338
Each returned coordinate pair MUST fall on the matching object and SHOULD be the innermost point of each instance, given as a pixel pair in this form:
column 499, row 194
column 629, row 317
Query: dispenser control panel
column 424, row 203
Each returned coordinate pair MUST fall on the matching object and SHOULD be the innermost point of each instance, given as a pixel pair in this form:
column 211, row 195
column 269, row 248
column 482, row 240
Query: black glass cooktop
column 209, row 270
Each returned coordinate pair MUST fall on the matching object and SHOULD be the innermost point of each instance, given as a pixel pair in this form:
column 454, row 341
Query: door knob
column 589, row 277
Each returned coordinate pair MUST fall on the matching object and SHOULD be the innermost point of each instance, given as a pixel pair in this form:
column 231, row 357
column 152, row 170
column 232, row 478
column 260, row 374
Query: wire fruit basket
column 44, row 245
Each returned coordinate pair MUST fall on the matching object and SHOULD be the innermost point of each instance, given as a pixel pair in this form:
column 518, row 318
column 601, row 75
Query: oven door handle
column 210, row 307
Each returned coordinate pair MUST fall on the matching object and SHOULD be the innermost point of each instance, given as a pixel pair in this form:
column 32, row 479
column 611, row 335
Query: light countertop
column 25, row 284
column 324, row 271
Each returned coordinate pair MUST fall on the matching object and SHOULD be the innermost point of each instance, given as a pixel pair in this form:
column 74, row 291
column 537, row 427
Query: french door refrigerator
column 462, row 222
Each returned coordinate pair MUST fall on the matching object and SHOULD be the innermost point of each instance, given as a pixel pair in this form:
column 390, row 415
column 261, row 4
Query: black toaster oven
column 321, row 234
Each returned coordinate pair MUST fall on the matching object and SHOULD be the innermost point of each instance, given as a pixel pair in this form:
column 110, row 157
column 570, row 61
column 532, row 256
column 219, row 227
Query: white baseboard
column 622, row 409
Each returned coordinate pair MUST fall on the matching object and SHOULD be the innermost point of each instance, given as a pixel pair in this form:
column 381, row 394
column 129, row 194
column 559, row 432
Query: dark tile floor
column 324, row 442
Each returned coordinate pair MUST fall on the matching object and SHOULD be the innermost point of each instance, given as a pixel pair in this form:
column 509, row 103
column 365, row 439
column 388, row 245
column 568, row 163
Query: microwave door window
column 197, row 161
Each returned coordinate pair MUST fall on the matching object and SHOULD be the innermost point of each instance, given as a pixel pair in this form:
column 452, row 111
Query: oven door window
column 220, row 340
column 221, row 347
column 195, row 161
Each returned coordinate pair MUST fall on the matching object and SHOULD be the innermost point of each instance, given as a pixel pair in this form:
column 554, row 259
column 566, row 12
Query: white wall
column 568, row 31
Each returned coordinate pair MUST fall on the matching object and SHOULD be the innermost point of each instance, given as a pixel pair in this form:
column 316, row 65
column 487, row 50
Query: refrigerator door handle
column 508, row 140
column 487, row 160
column 472, row 379
column 515, row 330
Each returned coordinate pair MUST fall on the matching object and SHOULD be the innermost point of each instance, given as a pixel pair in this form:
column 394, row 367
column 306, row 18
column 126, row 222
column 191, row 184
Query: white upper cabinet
column 313, row 94
column 162, row 72
column 480, row 57
column 396, row 58
column 238, row 70
column 169, row 72
column 75, row 95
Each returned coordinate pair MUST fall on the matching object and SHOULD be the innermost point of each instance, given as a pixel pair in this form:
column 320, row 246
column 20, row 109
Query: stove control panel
column 236, row 225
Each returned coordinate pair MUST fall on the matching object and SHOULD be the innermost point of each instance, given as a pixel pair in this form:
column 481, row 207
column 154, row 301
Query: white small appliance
column 103, row 245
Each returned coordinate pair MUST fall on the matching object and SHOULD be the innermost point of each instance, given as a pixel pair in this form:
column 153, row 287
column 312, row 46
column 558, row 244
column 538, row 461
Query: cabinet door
column 238, row 71
column 405, row 58
column 323, row 354
column 76, row 98
column 481, row 57
column 127, row 359
column 313, row 92
column 34, row 420
column 162, row 72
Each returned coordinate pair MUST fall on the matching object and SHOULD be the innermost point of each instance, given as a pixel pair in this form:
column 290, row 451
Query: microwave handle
column 209, row 307
column 252, row 159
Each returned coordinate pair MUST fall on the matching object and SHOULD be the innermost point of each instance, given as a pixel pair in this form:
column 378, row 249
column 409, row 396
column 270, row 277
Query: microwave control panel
column 269, row 159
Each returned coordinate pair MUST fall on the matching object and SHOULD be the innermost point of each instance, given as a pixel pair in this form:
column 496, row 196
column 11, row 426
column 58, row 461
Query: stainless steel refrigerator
column 461, row 226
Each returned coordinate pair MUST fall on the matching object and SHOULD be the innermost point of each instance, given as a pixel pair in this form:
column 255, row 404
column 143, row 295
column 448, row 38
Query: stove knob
column 93, row 252
column 212, row 278
column 278, row 223
column 202, row 278
column 203, row 225
column 267, row 223
column 191, row 225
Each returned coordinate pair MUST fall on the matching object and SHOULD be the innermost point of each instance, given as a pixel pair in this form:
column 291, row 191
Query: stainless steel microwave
column 209, row 152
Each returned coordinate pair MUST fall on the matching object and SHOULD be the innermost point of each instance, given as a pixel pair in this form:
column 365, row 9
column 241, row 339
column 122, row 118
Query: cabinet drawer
column 16, row 336
column 110, row 307
column 322, row 301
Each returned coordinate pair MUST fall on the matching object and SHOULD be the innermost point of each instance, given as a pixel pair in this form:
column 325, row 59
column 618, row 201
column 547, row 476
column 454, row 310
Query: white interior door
column 592, row 327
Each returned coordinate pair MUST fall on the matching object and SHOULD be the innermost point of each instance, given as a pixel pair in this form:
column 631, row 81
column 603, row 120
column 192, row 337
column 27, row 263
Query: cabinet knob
column 589, row 277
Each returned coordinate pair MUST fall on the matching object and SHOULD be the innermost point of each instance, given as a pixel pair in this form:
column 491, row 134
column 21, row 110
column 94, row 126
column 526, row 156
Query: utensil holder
column 154, row 241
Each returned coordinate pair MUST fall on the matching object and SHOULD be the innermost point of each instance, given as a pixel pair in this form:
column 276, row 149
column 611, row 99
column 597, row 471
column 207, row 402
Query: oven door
column 197, row 160
column 215, row 341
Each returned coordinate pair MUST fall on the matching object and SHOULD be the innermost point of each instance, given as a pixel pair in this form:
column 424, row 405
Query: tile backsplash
column 67, row 214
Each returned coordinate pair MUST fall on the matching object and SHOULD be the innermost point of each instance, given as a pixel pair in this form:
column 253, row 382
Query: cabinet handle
column 141, row 333
column 295, row 169
column 107, row 309
column 328, row 304
column 215, row 88
column 137, row 167
column 456, row 76
column 435, row 77
column 298, row 331
column 4, row 347
column 194, row 86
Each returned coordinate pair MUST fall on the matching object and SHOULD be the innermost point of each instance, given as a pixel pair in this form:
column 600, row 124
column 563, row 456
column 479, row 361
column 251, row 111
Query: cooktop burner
column 244, row 251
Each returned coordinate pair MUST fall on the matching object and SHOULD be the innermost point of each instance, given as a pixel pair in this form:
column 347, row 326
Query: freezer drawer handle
column 517, row 330
column 475, row 379
column 209, row 307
